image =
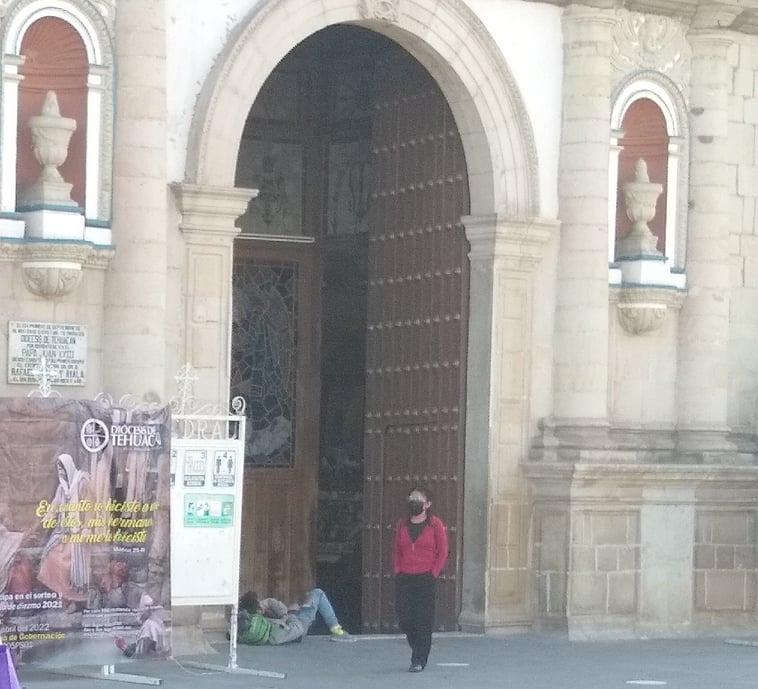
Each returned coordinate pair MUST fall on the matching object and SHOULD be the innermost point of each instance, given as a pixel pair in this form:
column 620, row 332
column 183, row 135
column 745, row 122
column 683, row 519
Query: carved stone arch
column 663, row 91
column 95, row 24
column 445, row 36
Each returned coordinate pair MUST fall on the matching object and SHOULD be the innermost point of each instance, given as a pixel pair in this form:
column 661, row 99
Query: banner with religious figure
column 84, row 530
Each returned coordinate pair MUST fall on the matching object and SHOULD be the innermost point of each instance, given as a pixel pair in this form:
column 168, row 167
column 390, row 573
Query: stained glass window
column 264, row 358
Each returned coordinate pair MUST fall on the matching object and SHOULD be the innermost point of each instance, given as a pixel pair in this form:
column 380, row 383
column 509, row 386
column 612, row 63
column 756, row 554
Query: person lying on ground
column 270, row 621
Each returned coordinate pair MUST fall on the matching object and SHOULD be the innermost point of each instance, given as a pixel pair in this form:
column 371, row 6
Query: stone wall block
column 557, row 593
column 744, row 81
column 751, row 111
column 607, row 558
column 724, row 557
column 622, row 593
column 742, row 143
column 628, row 557
column 588, row 593
column 725, row 590
column 732, row 528
column 736, row 108
column 583, row 559
column 748, row 217
column 609, row 529
column 705, row 557
column 744, row 557
column 699, row 592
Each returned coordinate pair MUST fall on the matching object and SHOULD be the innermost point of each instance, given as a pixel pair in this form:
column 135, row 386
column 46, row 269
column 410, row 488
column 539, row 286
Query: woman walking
column 420, row 554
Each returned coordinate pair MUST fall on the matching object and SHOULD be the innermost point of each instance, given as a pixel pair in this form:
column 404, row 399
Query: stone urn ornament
column 640, row 197
column 51, row 135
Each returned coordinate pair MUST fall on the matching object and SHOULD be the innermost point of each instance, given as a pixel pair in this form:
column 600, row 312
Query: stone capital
column 518, row 242
column 711, row 42
column 208, row 210
column 585, row 23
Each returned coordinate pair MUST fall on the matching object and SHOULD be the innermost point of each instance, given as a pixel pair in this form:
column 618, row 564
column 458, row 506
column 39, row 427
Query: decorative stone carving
column 383, row 10
column 51, row 135
column 51, row 280
column 54, row 269
column 643, row 309
column 640, row 197
column 651, row 42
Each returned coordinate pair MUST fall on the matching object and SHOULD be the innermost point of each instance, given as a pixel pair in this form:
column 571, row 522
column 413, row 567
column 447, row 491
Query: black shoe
column 415, row 667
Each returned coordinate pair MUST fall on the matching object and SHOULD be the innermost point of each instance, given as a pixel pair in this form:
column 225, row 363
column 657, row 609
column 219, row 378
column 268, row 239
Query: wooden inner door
column 275, row 367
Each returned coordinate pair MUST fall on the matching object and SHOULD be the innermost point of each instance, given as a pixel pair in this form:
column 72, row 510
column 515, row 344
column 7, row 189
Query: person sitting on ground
column 152, row 638
column 271, row 621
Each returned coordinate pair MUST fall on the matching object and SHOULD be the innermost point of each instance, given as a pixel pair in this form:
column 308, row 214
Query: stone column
column 581, row 327
column 207, row 224
column 503, row 256
column 134, row 341
column 704, row 320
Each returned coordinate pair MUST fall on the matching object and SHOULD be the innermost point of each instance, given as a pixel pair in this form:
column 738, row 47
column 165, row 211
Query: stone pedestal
column 645, row 550
column 496, row 576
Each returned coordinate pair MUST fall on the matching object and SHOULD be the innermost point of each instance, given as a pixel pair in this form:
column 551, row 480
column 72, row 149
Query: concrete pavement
column 484, row 662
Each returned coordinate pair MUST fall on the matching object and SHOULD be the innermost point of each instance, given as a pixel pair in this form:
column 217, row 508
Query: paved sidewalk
column 480, row 662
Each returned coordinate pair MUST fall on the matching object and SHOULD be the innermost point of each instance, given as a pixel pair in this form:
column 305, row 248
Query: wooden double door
column 414, row 348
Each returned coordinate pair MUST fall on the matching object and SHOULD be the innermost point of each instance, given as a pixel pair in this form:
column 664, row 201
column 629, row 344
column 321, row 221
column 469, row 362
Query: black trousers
column 414, row 602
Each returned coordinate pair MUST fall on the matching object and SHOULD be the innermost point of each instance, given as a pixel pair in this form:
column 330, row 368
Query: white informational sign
column 63, row 346
column 206, row 509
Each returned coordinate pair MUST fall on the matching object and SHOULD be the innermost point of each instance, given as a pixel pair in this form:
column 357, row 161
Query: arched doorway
column 504, row 228
column 350, row 312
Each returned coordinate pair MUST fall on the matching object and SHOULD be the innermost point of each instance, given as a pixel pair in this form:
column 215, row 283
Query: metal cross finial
column 44, row 374
column 185, row 380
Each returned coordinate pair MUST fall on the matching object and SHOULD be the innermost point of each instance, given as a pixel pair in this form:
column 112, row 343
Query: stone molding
column 652, row 474
column 594, row 441
column 86, row 254
column 520, row 242
column 211, row 210
column 503, row 152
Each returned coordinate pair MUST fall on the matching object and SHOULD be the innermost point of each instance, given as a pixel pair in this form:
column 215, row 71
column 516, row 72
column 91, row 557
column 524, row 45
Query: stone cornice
column 521, row 241
column 211, row 210
column 730, row 15
column 643, row 473
column 84, row 253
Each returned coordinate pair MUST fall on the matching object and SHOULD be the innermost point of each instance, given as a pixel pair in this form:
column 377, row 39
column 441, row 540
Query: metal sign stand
column 201, row 425
column 232, row 667
column 107, row 673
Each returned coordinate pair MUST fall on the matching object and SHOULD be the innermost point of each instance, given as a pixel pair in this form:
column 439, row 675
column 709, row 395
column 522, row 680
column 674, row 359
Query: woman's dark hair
column 423, row 490
column 249, row 602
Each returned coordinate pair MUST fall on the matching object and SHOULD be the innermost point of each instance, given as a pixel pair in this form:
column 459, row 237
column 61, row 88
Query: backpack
column 253, row 630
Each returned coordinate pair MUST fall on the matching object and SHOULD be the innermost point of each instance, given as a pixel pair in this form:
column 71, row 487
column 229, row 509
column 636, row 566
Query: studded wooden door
column 416, row 331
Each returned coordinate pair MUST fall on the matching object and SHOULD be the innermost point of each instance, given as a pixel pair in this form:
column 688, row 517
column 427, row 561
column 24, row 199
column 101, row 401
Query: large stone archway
column 504, row 230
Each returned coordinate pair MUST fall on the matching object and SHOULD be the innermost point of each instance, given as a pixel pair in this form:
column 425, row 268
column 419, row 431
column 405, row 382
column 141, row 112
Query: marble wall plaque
column 64, row 346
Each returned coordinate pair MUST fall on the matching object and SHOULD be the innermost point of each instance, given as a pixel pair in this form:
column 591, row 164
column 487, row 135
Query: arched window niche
column 648, row 122
column 82, row 79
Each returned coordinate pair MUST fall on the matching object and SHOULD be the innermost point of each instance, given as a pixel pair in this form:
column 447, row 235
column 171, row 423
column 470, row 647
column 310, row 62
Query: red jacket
column 426, row 554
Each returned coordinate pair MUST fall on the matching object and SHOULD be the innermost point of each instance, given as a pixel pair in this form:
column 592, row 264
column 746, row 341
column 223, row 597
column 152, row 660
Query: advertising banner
column 84, row 530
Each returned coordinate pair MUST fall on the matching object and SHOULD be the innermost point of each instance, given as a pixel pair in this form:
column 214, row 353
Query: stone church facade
column 606, row 478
